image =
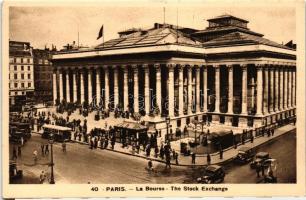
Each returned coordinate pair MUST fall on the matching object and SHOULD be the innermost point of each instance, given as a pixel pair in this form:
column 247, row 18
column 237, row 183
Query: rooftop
column 241, row 38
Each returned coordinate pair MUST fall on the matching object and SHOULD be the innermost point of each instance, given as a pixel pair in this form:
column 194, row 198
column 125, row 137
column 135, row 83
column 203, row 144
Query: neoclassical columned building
column 225, row 74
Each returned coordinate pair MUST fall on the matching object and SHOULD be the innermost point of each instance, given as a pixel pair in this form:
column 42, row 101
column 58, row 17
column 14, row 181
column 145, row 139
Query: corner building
column 226, row 74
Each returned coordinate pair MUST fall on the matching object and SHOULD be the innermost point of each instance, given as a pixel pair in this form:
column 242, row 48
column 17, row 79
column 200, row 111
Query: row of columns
column 275, row 88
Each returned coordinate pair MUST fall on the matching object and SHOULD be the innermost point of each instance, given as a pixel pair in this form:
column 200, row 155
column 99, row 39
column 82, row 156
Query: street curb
column 182, row 165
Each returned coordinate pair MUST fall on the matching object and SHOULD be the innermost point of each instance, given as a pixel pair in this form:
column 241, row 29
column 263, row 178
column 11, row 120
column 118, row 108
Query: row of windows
column 28, row 60
column 21, row 76
column 21, row 68
column 22, row 85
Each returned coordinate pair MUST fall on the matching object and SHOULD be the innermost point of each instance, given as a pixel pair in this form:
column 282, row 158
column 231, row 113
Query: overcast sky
column 59, row 25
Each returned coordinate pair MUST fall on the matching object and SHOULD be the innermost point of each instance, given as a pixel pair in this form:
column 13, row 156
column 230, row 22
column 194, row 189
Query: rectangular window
column 15, row 60
column 15, row 67
column 29, row 84
column 16, row 85
column 29, row 68
column 29, row 76
column 15, row 76
column 21, row 60
column 22, row 68
column 28, row 60
column 22, row 85
column 22, row 76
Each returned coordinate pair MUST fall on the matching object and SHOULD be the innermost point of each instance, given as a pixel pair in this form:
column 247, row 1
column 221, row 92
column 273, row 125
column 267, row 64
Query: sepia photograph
column 169, row 94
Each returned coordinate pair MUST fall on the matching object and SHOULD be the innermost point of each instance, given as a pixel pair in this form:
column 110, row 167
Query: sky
column 45, row 25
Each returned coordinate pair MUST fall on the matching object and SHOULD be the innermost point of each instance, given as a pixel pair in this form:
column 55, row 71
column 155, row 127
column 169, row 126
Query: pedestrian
column 42, row 177
column 176, row 158
column 162, row 152
column 173, row 154
column 14, row 153
column 252, row 138
column 95, row 142
column 262, row 169
column 258, row 170
column 269, row 133
column 42, row 146
column 19, row 151
column 21, row 141
column 113, row 143
column 47, row 149
column 272, row 132
column 193, row 157
column 35, row 156
column 208, row 159
column 168, row 163
column 221, row 153
column 64, row 146
column 156, row 151
column 106, row 143
column 137, row 147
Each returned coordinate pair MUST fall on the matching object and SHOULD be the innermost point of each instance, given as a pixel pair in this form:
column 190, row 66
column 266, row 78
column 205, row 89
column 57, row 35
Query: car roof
column 262, row 154
column 244, row 148
column 213, row 167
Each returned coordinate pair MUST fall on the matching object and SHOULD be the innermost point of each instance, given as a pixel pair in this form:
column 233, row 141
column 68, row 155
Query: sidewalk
column 201, row 160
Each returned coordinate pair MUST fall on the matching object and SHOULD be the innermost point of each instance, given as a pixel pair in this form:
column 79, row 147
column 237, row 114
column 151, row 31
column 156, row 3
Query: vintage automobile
column 14, row 173
column 212, row 174
column 245, row 155
column 260, row 159
column 60, row 133
column 19, row 131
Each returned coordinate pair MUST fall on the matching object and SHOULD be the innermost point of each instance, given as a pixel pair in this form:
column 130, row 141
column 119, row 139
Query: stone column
column 266, row 91
column 54, row 87
column 61, row 93
column 205, row 89
column 259, row 90
column 198, row 98
column 158, row 86
column 289, row 87
column 293, row 88
column 244, row 109
column 116, row 88
column 181, row 90
column 89, row 86
column 281, row 89
column 171, row 90
column 74, row 83
column 230, row 89
column 276, row 91
column 217, row 88
column 106, row 87
column 125, row 88
column 189, row 71
column 147, row 89
column 136, row 92
column 271, row 103
column 67, row 87
column 285, row 88
column 98, row 87
column 82, row 86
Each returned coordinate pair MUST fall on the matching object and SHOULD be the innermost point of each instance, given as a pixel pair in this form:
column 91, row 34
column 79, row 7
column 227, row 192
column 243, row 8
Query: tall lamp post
column 167, row 122
column 51, row 141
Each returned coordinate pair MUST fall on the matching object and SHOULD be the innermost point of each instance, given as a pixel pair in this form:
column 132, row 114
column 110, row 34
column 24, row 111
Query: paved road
column 82, row 165
column 282, row 148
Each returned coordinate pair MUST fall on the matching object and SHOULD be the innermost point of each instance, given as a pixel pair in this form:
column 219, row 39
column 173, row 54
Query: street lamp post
column 51, row 141
column 167, row 122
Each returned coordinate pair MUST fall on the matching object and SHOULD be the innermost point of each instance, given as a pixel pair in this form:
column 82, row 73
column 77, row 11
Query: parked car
column 245, row 155
column 260, row 159
column 212, row 174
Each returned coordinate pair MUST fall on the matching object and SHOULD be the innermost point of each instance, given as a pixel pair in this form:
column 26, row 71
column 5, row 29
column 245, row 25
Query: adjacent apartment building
column 21, row 74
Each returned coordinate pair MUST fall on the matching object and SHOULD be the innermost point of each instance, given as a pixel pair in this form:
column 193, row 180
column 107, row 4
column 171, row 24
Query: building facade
column 226, row 74
column 21, row 73
column 43, row 75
